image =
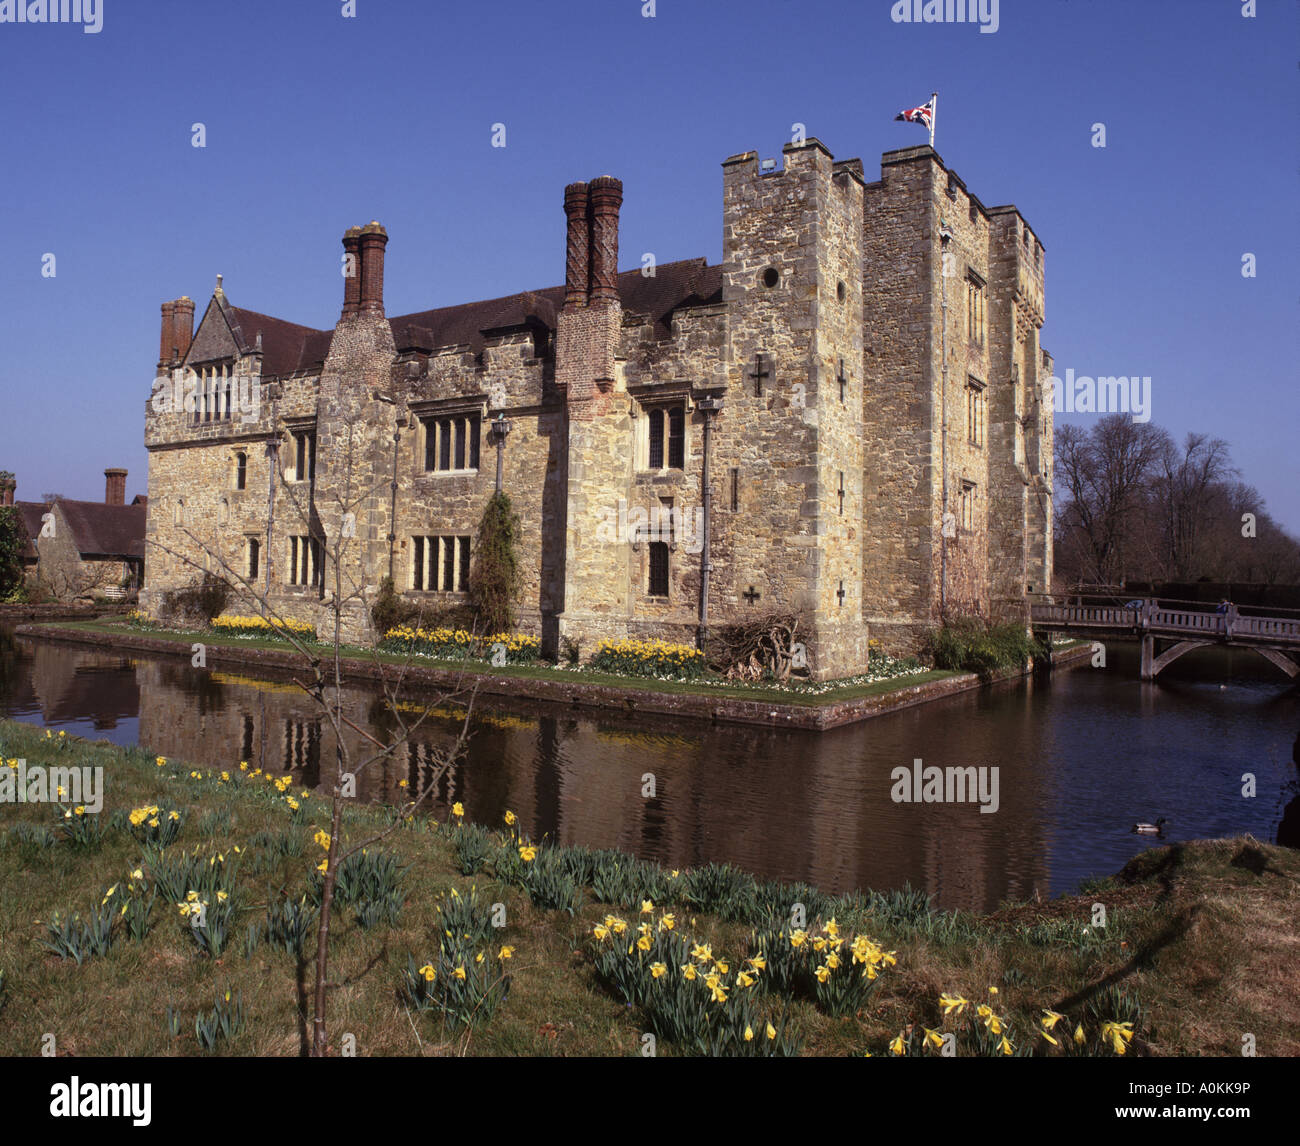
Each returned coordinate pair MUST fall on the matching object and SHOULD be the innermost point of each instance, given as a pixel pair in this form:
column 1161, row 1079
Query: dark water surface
column 1081, row 756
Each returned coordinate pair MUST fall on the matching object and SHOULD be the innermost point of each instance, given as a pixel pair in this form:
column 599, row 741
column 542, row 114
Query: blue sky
column 315, row 121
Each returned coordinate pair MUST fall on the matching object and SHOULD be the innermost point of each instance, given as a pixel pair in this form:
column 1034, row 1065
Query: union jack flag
column 923, row 114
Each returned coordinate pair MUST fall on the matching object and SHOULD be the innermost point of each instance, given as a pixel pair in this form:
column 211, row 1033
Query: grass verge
column 1199, row 946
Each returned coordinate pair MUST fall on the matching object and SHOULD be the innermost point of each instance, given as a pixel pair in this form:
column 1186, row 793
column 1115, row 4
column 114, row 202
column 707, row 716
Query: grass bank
column 1199, row 943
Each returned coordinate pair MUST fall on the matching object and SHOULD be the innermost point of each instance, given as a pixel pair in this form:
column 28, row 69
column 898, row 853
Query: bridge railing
column 1150, row 614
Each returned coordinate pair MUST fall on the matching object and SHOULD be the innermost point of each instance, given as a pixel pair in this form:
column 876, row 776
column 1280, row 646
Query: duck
column 1156, row 829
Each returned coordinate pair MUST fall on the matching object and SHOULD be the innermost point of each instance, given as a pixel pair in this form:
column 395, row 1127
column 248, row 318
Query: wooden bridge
column 1179, row 626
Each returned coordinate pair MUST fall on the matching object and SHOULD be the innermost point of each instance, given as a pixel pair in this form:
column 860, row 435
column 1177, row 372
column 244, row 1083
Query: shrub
column 970, row 644
column 198, row 603
column 494, row 575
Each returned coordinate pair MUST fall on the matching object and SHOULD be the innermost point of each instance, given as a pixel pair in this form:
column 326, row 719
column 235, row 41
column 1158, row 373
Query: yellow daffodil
column 658, row 970
column 428, row 972
column 458, row 809
column 527, row 853
column 459, row 973
column 647, row 908
column 951, row 1003
column 897, row 1046
column 749, row 1033
column 1119, row 1034
column 667, row 921
column 511, row 818
column 688, row 971
column 771, row 1031
column 505, row 953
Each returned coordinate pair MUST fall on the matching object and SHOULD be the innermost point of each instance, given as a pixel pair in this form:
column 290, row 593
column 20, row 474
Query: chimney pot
column 115, row 487
column 577, row 255
column 606, row 194
column 373, row 241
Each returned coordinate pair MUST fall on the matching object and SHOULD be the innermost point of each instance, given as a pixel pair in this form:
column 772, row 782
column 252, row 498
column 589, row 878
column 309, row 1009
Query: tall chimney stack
column 7, row 487
column 352, row 271
column 115, row 487
column 183, row 318
column 373, row 241
column 606, row 198
column 577, row 259
column 167, row 336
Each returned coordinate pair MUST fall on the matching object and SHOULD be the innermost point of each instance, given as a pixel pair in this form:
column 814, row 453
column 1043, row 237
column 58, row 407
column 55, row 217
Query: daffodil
column 511, row 818
column 658, row 970
column 1119, row 1034
column 458, row 809
column 428, row 972
column 505, row 953
column 951, row 1003
column 896, row 1047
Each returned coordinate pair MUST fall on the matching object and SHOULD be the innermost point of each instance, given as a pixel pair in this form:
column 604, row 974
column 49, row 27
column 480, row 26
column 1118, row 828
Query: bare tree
column 1102, row 474
column 323, row 682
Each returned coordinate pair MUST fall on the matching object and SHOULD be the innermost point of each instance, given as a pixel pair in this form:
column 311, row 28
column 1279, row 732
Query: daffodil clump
column 155, row 826
column 984, row 1030
column 468, row 978
column 517, row 648
column 443, row 643
column 460, row 644
column 263, row 627
column 700, row 1002
column 653, row 658
column 81, row 828
column 838, row 972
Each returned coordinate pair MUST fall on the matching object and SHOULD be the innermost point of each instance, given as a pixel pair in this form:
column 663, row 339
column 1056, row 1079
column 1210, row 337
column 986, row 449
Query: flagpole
column 934, row 114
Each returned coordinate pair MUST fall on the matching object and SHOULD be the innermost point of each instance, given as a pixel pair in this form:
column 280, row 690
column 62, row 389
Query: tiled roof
column 287, row 347
column 30, row 513
column 101, row 530
column 689, row 282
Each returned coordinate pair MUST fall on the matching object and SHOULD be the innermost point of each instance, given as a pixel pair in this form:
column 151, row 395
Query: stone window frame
column 419, row 567
column 312, row 554
column 301, row 433
column 969, row 496
column 460, row 406
column 661, row 398
column 976, row 309
column 252, row 555
column 445, row 426
column 659, row 564
column 239, row 458
column 976, row 412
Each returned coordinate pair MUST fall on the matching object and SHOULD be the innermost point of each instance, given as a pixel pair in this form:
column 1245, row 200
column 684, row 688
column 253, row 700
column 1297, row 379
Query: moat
column 1081, row 756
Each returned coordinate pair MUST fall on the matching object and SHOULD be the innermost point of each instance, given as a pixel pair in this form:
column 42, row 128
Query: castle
column 846, row 418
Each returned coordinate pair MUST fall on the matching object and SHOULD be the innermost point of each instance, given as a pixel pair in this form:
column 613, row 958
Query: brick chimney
column 168, row 333
column 577, row 261
column 177, row 330
column 373, row 241
column 7, row 487
column 352, row 282
column 606, row 197
column 115, row 487
column 183, row 318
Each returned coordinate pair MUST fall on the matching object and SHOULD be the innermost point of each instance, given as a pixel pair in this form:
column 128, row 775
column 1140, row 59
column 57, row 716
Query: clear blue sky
column 315, row 122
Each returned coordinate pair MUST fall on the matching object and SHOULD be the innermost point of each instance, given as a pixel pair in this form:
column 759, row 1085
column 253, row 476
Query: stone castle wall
column 827, row 355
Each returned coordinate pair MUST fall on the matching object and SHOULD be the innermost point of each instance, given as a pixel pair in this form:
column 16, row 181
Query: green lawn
column 1199, row 943
column 539, row 671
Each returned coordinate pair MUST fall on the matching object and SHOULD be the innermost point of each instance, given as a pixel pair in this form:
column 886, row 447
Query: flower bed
column 263, row 627
column 459, row 644
column 632, row 657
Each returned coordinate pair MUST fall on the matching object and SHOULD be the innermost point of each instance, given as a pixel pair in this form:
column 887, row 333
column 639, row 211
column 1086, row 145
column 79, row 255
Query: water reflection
column 1080, row 756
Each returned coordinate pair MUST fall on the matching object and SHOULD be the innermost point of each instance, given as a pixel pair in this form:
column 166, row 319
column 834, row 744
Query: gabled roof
column 100, row 530
column 288, row 347
column 30, row 514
